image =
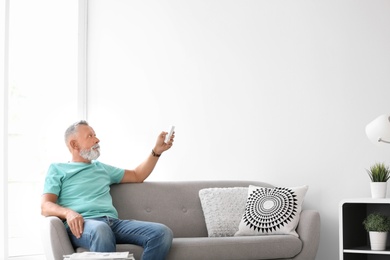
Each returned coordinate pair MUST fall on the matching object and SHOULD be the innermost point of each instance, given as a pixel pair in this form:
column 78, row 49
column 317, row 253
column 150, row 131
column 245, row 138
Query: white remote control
column 168, row 136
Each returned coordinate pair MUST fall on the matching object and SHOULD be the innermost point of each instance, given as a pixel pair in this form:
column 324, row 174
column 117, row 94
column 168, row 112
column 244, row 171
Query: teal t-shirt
column 84, row 187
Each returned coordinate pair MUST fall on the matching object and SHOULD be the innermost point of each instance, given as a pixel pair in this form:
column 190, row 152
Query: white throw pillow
column 272, row 211
column 223, row 209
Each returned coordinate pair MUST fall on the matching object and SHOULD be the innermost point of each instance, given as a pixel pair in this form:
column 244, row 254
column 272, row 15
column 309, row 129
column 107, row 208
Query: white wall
column 277, row 91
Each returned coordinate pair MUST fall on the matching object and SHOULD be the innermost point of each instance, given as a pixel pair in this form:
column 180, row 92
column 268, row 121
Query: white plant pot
column 378, row 189
column 378, row 240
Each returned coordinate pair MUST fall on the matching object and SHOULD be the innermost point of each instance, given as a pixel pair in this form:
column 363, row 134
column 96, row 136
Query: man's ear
column 74, row 145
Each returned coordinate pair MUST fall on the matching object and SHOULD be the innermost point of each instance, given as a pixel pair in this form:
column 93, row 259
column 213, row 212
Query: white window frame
column 83, row 60
column 4, row 25
column 4, row 68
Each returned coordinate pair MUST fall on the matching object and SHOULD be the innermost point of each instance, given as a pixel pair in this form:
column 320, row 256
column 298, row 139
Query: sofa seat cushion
column 223, row 248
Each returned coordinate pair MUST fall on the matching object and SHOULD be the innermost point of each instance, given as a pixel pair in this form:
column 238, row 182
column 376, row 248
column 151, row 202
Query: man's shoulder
column 56, row 164
column 68, row 167
column 61, row 165
column 104, row 165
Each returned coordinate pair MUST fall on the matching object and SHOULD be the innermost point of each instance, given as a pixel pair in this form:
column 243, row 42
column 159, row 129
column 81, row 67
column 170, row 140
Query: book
column 100, row 256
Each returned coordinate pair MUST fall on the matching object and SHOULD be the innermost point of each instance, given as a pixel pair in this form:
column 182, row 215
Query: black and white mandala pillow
column 272, row 211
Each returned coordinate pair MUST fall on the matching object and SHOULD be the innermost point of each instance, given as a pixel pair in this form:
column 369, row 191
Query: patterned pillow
column 223, row 209
column 271, row 211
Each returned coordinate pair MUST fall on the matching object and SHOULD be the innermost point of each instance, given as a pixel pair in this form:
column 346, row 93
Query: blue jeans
column 102, row 235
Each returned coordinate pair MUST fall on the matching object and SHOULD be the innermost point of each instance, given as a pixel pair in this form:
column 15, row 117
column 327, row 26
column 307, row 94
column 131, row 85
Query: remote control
column 168, row 136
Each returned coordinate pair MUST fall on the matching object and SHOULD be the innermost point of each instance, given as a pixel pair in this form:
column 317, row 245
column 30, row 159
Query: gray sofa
column 177, row 205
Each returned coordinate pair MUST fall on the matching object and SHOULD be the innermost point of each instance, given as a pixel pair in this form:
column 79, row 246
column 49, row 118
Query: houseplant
column 378, row 225
column 379, row 174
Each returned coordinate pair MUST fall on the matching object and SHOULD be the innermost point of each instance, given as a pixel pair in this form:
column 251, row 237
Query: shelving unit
column 354, row 239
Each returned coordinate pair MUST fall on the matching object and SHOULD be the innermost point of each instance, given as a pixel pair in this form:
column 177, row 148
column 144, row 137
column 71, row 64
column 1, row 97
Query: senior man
column 78, row 192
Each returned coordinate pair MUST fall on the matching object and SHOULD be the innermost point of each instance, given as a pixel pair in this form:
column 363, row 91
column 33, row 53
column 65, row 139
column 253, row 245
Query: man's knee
column 100, row 228
column 101, row 237
column 168, row 233
column 165, row 234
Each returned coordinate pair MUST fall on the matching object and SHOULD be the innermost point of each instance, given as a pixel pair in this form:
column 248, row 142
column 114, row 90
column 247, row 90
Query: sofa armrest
column 309, row 232
column 55, row 239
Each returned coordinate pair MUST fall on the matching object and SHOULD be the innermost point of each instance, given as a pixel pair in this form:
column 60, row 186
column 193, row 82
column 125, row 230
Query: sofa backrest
column 175, row 204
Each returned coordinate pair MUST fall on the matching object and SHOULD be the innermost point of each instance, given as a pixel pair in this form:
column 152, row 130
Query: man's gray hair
column 72, row 129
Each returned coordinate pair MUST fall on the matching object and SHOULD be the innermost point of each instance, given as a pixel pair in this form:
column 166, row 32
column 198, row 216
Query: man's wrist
column 155, row 154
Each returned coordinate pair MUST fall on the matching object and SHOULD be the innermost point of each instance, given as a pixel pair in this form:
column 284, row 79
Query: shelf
column 354, row 239
column 366, row 200
column 367, row 250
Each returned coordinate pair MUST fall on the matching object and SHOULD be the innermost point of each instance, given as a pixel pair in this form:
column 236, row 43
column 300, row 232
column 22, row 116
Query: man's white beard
column 91, row 154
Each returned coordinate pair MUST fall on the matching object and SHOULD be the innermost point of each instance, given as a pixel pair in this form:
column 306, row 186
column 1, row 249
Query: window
column 42, row 102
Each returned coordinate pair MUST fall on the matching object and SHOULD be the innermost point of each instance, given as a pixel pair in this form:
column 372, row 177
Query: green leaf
column 379, row 172
column 377, row 222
